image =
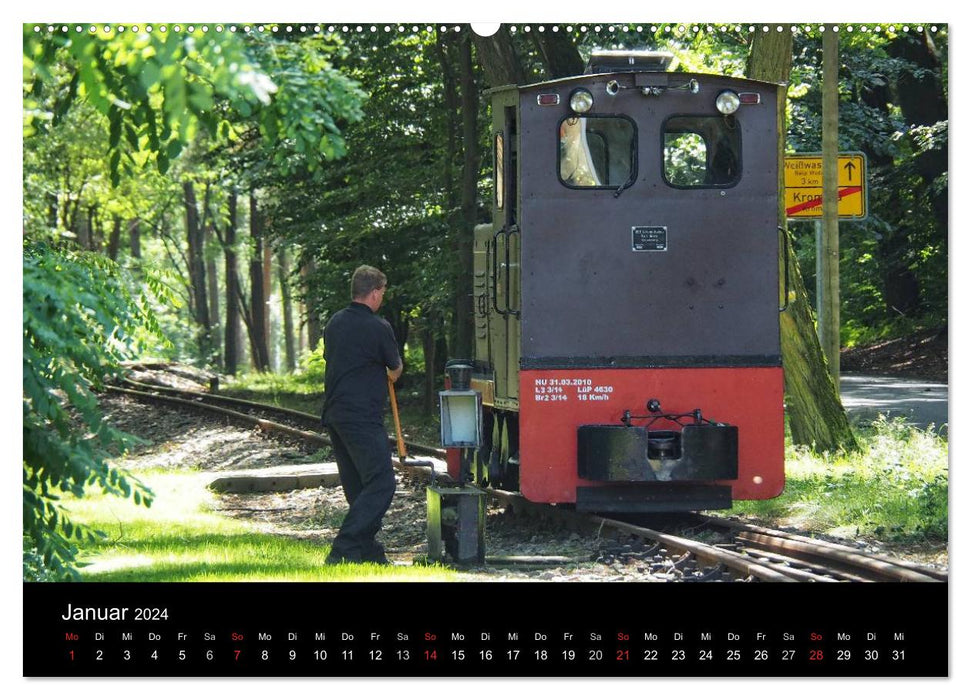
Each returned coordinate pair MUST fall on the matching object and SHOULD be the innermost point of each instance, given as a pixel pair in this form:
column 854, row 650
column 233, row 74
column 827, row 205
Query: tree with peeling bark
column 816, row 415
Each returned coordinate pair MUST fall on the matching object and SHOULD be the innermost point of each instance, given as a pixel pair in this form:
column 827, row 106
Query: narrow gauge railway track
column 757, row 553
column 270, row 419
column 828, row 559
column 749, row 553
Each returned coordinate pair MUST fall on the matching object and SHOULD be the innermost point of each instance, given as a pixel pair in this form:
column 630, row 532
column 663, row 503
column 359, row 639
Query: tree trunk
column 398, row 318
column 498, row 59
column 114, row 241
column 816, row 416
column 267, row 295
column 828, row 320
column 453, row 213
column 72, row 208
column 94, row 240
column 315, row 331
column 257, row 324
column 135, row 238
column 84, row 231
column 231, row 350
column 560, row 56
column 470, row 196
column 451, row 98
column 301, row 328
column 212, row 280
column 429, row 346
column 197, row 269
column 52, row 210
column 288, row 343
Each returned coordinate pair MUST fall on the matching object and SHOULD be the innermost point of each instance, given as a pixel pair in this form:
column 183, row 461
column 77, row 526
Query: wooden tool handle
column 402, row 453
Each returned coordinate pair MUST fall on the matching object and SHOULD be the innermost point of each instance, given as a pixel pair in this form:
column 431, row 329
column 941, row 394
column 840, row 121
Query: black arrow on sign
column 849, row 169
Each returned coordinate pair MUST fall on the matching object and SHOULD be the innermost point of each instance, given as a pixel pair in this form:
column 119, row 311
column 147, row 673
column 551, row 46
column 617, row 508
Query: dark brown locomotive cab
column 633, row 254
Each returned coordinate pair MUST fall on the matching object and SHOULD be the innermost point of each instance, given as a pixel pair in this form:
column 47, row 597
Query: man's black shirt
column 359, row 348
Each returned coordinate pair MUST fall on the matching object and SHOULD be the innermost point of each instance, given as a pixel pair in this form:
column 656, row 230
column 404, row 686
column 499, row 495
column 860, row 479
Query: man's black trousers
column 363, row 457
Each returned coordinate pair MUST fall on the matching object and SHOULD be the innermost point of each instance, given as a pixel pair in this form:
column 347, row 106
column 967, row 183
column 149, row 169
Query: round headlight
column 727, row 102
column 581, row 101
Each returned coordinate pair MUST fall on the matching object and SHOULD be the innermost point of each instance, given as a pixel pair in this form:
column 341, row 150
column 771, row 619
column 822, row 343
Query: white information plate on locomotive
column 649, row 239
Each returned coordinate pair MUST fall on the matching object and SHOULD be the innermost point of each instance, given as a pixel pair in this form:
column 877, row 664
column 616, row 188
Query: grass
column 181, row 538
column 895, row 489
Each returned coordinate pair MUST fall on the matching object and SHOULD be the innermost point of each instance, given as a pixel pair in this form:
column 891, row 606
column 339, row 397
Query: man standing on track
column 361, row 352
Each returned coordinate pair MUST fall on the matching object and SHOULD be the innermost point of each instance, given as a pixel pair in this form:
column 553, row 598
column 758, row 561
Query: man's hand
column 395, row 373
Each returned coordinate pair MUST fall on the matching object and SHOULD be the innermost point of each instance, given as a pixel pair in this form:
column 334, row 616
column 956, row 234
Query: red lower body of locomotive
column 648, row 439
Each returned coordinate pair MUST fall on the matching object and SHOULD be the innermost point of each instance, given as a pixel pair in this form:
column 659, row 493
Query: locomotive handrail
column 495, row 272
column 785, row 275
column 513, row 230
column 508, row 230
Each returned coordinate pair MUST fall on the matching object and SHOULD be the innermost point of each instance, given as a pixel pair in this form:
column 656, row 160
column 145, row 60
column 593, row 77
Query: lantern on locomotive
column 627, row 291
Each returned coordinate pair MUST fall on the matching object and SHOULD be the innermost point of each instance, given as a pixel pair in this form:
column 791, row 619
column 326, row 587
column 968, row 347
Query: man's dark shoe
column 343, row 558
column 374, row 554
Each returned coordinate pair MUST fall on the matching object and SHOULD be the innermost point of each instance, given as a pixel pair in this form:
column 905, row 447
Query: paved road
column 923, row 403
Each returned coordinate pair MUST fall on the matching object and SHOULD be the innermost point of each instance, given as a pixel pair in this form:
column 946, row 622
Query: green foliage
column 893, row 108
column 115, row 120
column 390, row 202
column 79, row 321
column 302, row 125
column 155, row 88
column 313, row 365
column 895, row 488
column 158, row 87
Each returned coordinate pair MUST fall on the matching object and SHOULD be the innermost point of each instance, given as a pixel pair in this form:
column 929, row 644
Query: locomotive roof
column 589, row 76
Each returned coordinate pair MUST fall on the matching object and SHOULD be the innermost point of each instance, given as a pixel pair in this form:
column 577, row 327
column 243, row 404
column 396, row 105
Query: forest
column 203, row 193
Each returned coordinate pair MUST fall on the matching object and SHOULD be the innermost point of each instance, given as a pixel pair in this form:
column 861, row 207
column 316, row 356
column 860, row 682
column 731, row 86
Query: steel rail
column 889, row 568
column 850, row 562
column 705, row 552
column 797, row 567
column 205, row 399
column 262, row 423
column 232, row 400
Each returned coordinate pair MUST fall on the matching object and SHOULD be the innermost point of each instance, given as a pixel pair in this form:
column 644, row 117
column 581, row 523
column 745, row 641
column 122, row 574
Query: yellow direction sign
column 804, row 186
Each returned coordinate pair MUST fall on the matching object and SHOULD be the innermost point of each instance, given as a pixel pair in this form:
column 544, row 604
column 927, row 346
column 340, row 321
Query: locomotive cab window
column 596, row 151
column 702, row 151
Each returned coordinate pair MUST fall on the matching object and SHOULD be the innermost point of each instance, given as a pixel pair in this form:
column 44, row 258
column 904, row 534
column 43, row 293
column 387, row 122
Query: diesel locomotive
column 627, row 291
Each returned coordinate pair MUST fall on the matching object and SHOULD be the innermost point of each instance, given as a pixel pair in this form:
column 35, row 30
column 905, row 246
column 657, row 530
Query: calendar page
column 443, row 350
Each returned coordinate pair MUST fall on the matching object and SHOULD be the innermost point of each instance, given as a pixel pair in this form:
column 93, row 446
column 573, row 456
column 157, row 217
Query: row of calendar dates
column 628, row 654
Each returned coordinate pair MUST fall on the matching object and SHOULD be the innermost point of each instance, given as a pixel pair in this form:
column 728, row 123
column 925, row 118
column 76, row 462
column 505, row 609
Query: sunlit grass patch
column 895, row 488
column 182, row 538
